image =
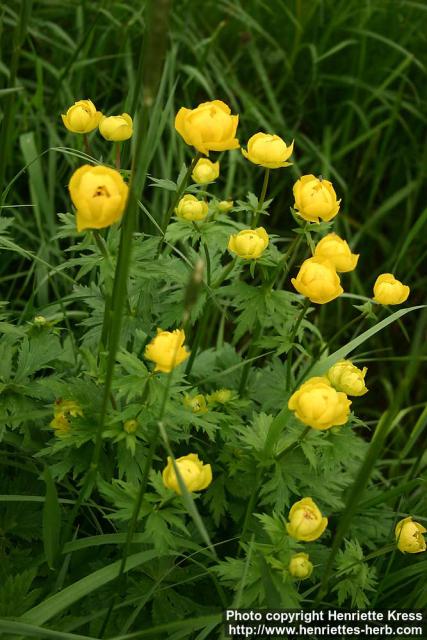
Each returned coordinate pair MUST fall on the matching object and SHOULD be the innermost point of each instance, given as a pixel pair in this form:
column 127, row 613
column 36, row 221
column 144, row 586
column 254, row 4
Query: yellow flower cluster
column 82, row 117
column 63, row 410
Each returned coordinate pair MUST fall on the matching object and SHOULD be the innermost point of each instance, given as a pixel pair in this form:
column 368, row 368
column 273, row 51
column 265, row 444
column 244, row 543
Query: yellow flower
column 388, row 290
column 315, row 198
column 318, row 280
column 195, row 475
column 225, row 206
column 167, row 350
column 209, row 127
column 82, row 117
column 300, row 566
column 62, row 411
column 197, row 403
column 221, row 396
column 268, row 150
column 116, row 128
column 99, row 195
column 249, row 243
column 130, row 426
column 335, row 249
column 205, row 171
column 306, row 522
column 346, row 377
column 409, row 536
column 317, row 404
column 190, row 208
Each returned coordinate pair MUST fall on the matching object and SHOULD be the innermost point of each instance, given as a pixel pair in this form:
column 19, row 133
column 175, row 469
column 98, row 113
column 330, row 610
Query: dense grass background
column 345, row 79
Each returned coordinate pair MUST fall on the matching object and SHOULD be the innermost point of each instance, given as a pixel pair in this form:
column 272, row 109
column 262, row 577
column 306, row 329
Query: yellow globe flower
column 388, row 290
column 63, row 410
column 225, row 206
column 249, row 243
column 409, row 536
column 306, row 522
column 167, row 350
column 195, row 475
column 335, row 249
column 209, row 127
column 300, row 566
column 99, row 195
column 221, row 396
column 190, row 208
column 197, row 403
column 205, row 171
column 82, row 117
column 318, row 280
column 317, row 404
column 346, row 377
column 116, row 128
column 268, row 151
column 315, row 198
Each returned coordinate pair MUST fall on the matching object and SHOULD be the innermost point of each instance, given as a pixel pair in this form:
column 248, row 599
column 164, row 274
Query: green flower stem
column 86, row 144
column 253, row 350
column 225, row 272
column 257, row 214
column 179, row 191
column 100, row 242
column 291, row 256
column 117, row 158
column 292, row 338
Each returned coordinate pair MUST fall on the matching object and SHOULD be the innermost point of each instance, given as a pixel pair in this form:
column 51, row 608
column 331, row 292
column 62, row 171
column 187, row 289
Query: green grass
column 87, row 539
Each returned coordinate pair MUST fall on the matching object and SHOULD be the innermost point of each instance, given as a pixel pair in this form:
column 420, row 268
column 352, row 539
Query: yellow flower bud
column 317, row 404
column 190, row 208
column 306, row 522
column 167, row 350
column 62, row 411
column 388, row 290
column 268, row 151
column 249, row 243
column 130, row 426
column 61, row 425
column 116, row 128
column 221, row 396
column 225, row 206
column 318, row 280
column 197, row 403
column 346, row 377
column 195, row 475
column 82, row 117
column 205, row 171
column 40, row 321
column 315, row 198
column 409, row 536
column 99, row 195
column 300, row 566
column 209, row 127
column 335, row 249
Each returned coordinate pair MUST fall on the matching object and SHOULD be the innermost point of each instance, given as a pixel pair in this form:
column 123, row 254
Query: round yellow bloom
column 197, row 403
column 209, row 127
column 300, row 566
column 190, row 208
column 318, row 280
column 249, row 243
column 130, row 426
column 195, row 475
column 221, row 396
column 388, row 290
column 306, row 522
column 315, row 198
column 116, row 128
column 268, row 151
column 205, row 171
column 82, row 117
column 167, row 350
column 225, row 206
column 317, row 404
column 409, row 536
column 346, row 377
column 99, row 195
column 335, row 249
